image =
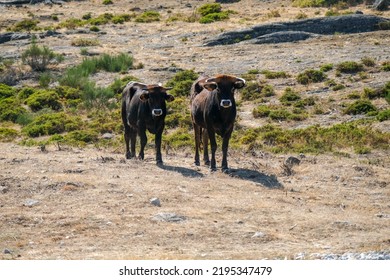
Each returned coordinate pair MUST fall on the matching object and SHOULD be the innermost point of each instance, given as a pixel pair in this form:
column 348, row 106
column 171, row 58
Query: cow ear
column 210, row 86
column 144, row 95
column 169, row 98
column 239, row 84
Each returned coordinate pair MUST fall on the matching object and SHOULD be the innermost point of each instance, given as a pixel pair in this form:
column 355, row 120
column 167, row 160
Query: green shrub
column 52, row 123
column 6, row 91
column 25, row 25
column 179, row 138
column 372, row 93
column 311, row 76
column 326, row 67
column 25, row 92
column 289, row 96
column 207, row 9
column 94, row 28
column 181, row 82
column 386, row 66
column 148, row 16
column 81, row 136
column 267, row 91
column 386, row 92
column 84, row 42
column 214, row 17
column 212, row 12
column 324, row 3
column 274, row 75
column 44, row 99
column 71, row 23
column 119, row 19
column 38, row 58
column 10, row 109
column 383, row 115
column 368, row 61
column 350, row 67
column 8, row 134
column 107, row 2
column 261, row 111
column 251, row 91
column 360, row 107
column 45, row 79
column 101, row 19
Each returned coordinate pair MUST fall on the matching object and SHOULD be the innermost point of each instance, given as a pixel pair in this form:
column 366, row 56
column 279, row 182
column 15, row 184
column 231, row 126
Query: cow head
column 156, row 95
column 224, row 86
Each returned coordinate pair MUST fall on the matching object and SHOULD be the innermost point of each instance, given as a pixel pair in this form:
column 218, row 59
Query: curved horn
column 241, row 79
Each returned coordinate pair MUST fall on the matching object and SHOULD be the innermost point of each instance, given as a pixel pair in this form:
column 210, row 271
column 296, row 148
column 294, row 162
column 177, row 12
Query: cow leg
column 133, row 140
column 158, row 147
column 144, row 139
column 213, row 145
column 225, row 145
column 197, row 143
column 205, row 140
column 127, row 139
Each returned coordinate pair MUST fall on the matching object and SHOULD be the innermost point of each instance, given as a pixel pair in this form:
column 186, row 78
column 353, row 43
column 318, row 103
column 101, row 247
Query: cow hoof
column 197, row 163
column 207, row 162
column 128, row 155
column 213, row 169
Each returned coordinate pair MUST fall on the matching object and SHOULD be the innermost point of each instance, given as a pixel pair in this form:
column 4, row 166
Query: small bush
column 207, row 9
column 383, row 115
column 360, row 107
column 274, row 75
column 251, row 91
column 44, row 99
column 311, row 76
column 326, row 67
column 52, row 123
column 289, row 96
column 179, row 138
column 6, row 91
column 386, row 66
column 148, row 16
column 81, row 137
column 25, row 25
column 10, row 109
column 372, row 93
column 368, row 61
column 71, row 23
column 349, row 67
column 181, row 82
column 214, row 17
column 8, row 134
column 261, row 111
column 107, row 2
column 38, row 58
column 212, row 12
column 85, row 42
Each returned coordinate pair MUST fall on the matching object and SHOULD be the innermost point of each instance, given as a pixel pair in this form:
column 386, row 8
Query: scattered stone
column 258, row 234
column 155, row 201
column 30, row 202
column 107, row 136
column 4, row 189
column 169, row 217
column 291, row 161
column 7, row 251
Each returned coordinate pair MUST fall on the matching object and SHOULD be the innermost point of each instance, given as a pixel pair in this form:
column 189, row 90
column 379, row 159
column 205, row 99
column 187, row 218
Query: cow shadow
column 186, row 172
column 268, row 181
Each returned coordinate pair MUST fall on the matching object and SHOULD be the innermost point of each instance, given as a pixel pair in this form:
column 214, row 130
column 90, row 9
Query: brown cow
column 143, row 107
column 213, row 110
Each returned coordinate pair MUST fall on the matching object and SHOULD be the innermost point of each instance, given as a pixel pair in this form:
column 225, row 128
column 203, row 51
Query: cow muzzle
column 157, row 112
column 226, row 103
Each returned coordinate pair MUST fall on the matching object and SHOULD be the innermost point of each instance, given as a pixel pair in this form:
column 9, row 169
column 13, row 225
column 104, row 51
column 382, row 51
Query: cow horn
column 241, row 79
column 138, row 84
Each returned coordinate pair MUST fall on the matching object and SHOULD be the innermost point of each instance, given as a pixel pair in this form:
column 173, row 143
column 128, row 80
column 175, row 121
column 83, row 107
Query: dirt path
column 88, row 204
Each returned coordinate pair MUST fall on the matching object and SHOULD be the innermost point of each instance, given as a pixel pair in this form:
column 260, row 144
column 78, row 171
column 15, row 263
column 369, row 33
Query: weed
column 349, row 67
column 38, row 58
column 326, row 67
column 212, row 12
column 289, row 96
column 301, row 15
column 274, row 75
column 368, row 61
column 25, row 25
column 148, row 16
column 6, row 91
column 383, row 115
column 85, row 42
column 360, row 106
column 181, row 82
column 10, row 109
column 8, row 134
column 44, row 99
column 107, row 2
column 311, row 76
column 386, row 66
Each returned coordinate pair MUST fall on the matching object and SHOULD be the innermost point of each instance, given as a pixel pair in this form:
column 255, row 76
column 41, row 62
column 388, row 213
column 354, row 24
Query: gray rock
column 169, row 217
column 3, row 189
column 354, row 23
column 282, row 37
column 155, row 201
column 30, row 202
column 107, row 136
column 258, row 234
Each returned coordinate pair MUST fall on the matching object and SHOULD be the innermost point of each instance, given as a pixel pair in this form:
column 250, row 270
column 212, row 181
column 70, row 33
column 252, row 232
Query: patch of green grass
column 212, row 12
column 326, row 67
column 10, row 109
column 311, row 76
column 178, row 139
column 8, row 134
column 44, row 99
column 383, row 115
column 349, row 67
column 181, row 82
column 386, row 66
column 52, row 123
column 361, row 106
column 148, row 16
column 289, row 97
column 6, row 91
column 275, row 74
column 368, row 61
column 107, row 2
column 25, row 25
column 85, row 42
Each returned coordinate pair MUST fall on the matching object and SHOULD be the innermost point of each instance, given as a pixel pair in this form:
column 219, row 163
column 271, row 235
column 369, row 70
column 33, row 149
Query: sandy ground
column 92, row 204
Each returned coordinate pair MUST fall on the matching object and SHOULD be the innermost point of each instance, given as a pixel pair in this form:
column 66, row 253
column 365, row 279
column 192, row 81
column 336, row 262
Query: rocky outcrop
column 300, row 29
column 12, row 36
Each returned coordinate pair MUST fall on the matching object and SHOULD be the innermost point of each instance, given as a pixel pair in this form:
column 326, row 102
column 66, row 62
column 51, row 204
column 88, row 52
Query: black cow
column 213, row 110
column 143, row 107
